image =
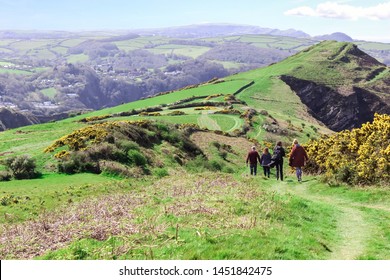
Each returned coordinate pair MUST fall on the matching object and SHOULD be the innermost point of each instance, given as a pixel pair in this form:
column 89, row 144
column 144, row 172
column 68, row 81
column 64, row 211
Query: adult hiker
column 298, row 158
column 277, row 160
column 252, row 158
column 265, row 161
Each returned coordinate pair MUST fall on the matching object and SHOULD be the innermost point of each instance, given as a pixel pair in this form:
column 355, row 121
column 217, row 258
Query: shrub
column 178, row 159
column 68, row 167
column 137, row 158
column 161, row 172
column 198, row 164
column 127, row 145
column 227, row 169
column 223, row 154
column 120, row 141
column 5, row 176
column 359, row 156
column 216, row 144
column 113, row 168
column 176, row 113
column 216, row 165
column 22, row 167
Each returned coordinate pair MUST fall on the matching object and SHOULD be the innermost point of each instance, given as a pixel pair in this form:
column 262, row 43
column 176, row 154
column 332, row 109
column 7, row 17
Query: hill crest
column 341, row 85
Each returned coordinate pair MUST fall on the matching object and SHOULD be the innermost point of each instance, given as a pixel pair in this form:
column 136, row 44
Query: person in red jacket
column 252, row 158
column 298, row 158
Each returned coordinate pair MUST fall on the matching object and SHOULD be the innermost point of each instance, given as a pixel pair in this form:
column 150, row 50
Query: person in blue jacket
column 265, row 161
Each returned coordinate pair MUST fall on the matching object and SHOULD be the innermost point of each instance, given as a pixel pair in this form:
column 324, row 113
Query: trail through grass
column 205, row 121
column 354, row 226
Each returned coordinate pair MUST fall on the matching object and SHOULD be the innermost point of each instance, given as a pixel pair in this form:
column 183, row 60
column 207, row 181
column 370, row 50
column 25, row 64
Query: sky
column 360, row 19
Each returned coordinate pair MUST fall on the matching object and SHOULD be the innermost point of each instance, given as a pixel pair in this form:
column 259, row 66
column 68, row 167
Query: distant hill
column 337, row 36
column 212, row 30
column 341, row 85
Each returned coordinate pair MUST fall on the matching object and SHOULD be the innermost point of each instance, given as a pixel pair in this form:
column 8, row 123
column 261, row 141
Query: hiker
column 298, row 158
column 252, row 158
column 265, row 161
column 277, row 160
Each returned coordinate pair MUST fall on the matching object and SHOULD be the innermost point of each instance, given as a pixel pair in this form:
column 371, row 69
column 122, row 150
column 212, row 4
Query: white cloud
column 343, row 11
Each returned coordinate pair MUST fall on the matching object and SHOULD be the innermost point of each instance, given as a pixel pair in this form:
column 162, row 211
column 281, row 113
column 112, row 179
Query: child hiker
column 265, row 160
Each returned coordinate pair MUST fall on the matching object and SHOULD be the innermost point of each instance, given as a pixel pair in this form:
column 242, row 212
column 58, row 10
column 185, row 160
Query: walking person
column 252, row 158
column 298, row 158
column 265, row 161
column 277, row 157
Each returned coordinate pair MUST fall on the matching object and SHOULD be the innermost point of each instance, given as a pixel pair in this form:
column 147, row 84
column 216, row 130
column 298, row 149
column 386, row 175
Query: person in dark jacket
column 277, row 157
column 265, row 161
column 252, row 158
column 298, row 158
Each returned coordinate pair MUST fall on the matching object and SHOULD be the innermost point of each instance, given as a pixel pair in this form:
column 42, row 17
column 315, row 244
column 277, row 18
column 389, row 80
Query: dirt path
column 352, row 225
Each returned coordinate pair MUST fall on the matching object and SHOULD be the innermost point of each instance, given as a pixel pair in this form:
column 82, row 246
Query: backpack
column 278, row 154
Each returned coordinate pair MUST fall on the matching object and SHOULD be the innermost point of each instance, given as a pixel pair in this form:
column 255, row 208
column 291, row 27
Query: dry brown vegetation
column 198, row 200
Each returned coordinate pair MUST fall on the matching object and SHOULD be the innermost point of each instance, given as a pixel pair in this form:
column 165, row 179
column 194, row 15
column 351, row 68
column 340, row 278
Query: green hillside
column 280, row 112
column 165, row 177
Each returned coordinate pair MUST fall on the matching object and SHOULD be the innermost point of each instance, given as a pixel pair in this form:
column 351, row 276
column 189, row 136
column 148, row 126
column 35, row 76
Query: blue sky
column 361, row 19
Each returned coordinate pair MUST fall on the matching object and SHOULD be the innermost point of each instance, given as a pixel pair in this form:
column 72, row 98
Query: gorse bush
column 127, row 143
column 359, row 156
column 22, row 167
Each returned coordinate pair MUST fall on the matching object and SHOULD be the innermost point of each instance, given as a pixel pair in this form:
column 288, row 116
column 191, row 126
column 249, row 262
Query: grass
column 77, row 58
column 188, row 215
column 227, row 122
column 34, row 139
column 185, row 50
column 29, row 198
column 227, row 87
column 5, row 63
column 15, row 71
column 206, row 216
column 49, row 92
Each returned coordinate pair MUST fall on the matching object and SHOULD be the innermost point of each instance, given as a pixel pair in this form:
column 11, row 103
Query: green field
column 77, row 58
column 15, row 71
column 186, row 50
column 49, row 92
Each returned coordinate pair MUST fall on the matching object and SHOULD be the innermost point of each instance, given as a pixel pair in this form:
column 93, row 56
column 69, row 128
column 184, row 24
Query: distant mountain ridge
column 187, row 31
column 211, row 30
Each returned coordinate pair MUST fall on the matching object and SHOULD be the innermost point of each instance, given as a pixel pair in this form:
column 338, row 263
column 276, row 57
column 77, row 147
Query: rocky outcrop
column 336, row 110
column 12, row 119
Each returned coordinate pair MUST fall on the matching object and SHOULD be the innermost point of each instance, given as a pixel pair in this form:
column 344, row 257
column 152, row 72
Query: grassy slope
column 202, row 216
column 214, row 216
